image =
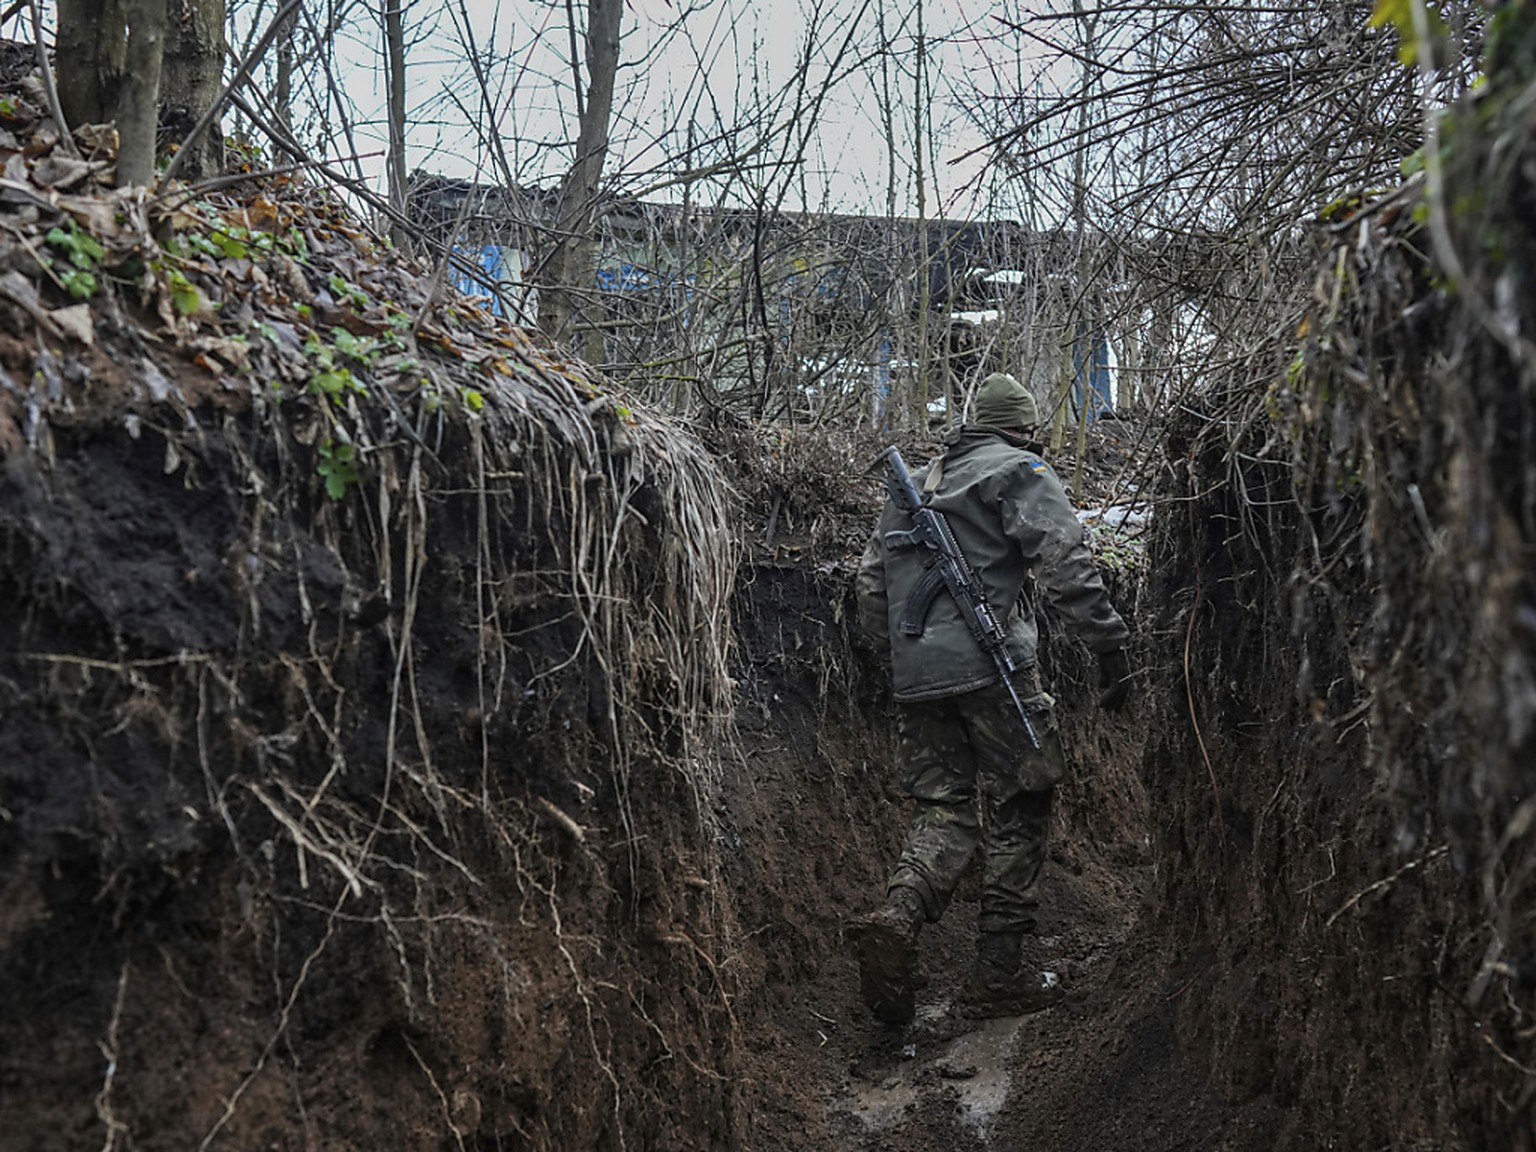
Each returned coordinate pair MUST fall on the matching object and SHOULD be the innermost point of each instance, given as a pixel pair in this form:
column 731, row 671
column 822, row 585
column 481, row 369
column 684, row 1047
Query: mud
column 1103, row 1069
column 185, row 984
column 421, row 814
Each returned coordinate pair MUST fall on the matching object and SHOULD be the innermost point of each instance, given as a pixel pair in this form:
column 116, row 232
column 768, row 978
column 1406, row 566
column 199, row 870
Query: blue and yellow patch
column 1037, row 466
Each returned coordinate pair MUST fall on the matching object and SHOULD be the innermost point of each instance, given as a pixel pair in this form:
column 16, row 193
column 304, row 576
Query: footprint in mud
column 941, row 1061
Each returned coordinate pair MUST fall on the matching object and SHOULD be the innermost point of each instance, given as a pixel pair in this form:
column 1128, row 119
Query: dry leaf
column 77, row 323
column 98, row 141
column 63, row 172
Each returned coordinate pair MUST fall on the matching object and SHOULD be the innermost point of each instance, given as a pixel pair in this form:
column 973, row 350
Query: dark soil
column 166, row 981
column 1103, row 1069
column 175, row 964
column 357, row 821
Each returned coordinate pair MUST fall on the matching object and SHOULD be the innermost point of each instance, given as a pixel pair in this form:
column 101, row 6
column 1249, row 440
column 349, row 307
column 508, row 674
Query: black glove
column 1114, row 679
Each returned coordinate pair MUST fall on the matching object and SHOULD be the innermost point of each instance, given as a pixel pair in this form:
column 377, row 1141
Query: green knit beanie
column 1003, row 402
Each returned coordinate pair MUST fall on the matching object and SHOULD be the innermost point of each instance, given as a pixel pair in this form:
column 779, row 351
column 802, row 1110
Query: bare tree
column 142, row 63
column 192, row 77
column 138, row 102
column 391, row 13
column 571, row 266
column 91, row 50
column 1187, row 157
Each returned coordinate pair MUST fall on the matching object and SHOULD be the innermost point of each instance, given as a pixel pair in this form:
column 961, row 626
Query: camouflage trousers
column 978, row 783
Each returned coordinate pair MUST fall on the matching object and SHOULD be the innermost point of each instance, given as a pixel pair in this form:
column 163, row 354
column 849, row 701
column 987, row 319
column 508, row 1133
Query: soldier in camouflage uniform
column 963, row 752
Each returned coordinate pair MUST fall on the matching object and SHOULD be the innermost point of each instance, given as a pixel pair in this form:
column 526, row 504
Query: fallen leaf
column 77, row 323
column 63, row 172
column 98, row 141
column 230, row 352
column 97, row 216
column 263, row 216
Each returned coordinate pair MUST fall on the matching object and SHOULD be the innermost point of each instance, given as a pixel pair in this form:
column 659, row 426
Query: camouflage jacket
column 1011, row 518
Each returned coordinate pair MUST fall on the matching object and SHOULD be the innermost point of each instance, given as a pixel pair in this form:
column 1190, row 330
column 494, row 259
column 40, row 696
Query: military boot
column 885, row 945
column 1000, row 985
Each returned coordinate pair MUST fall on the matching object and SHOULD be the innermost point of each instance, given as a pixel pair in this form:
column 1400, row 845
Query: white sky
column 714, row 64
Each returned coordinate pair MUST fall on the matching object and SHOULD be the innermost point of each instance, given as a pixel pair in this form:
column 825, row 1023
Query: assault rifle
column 930, row 530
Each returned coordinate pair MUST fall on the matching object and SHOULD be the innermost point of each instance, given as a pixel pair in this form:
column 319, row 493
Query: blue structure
column 492, row 258
column 1090, row 374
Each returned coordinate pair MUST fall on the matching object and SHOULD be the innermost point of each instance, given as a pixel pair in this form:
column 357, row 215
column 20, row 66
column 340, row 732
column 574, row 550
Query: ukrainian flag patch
column 1037, row 466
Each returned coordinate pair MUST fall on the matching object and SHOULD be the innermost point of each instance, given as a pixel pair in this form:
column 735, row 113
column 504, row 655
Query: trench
column 1101, row 1069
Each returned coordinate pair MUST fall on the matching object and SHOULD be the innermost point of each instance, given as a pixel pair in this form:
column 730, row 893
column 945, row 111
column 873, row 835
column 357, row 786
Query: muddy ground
column 1102, row 1070
column 147, row 955
column 378, row 771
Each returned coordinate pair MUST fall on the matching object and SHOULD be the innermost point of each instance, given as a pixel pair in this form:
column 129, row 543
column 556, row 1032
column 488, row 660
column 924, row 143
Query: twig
column 1194, row 718
column 368, row 196
column 1505, row 1056
column 117, row 665
column 109, row 1050
column 441, row 266
column 55, row 109
column 576, row 831
column 305, row 841
column 458, row 1137
column 191, row 192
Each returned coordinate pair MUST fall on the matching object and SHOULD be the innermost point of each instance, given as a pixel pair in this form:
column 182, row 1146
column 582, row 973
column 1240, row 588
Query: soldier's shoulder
column 1011, row 460
column 1024, row 461
column 1035, row 463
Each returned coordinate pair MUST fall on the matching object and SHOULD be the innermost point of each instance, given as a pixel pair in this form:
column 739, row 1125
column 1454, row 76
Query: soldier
column 962, row 748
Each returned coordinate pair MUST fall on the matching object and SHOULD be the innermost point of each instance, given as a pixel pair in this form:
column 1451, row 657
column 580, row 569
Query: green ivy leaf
column 337, row 466
column 230, row 246
column 78, row 283
column 185, row 295
column 357, row 347
column 80, row 248
column 331, row 381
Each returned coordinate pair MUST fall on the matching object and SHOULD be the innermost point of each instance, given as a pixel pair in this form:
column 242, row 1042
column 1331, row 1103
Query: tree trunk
column 925, row 273
column 282, row 96
column 138, row 111
column 89, row 54
column 394, row 72
column 192, row 78
column 177, row 49
column 571, row 270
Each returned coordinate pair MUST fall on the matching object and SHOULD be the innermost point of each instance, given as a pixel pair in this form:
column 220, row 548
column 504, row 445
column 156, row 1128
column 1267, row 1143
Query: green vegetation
column 337, row 466
column 82, row 255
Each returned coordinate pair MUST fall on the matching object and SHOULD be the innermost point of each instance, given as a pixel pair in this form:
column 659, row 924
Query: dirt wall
column 326, row 821
column 1340, row 597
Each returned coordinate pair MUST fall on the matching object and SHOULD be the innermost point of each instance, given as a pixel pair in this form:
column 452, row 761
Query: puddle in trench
column 971, row 1070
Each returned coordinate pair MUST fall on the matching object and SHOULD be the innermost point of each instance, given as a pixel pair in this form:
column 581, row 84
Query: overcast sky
column 726, row 70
